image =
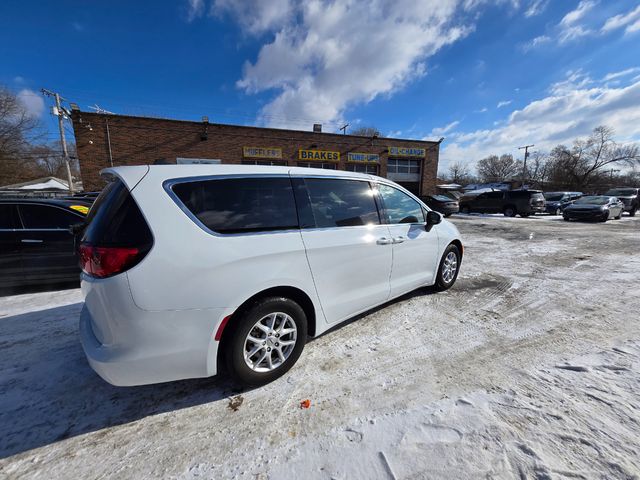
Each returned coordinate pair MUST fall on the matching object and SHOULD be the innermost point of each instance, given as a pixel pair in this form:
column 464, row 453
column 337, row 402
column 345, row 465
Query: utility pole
column 344, row 128
column 59, row 112
column 524, row 168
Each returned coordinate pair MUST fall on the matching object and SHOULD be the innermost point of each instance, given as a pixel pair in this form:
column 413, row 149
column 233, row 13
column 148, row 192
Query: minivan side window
column 44, row 217
column 400, row 207
column 341, row 203
column 237, row 205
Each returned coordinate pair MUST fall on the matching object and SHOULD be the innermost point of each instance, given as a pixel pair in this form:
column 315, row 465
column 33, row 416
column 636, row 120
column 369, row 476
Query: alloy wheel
column 449, row 267
column 270, row 342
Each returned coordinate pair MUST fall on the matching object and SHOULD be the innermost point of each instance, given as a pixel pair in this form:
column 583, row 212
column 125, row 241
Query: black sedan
column 596, row 207
column 36, row 242
column 441, row 204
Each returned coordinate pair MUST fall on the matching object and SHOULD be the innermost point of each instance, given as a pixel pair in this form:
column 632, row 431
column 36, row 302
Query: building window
column 264, row 162
column 397, row 165
column 363, row 168
column 325, row 165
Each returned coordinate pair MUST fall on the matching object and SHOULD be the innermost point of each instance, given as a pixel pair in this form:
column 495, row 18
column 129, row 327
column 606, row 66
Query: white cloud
column 438, row 132
column 326, row 56
column 536, row 7
column 536, row 42
column 33, row 103
column 573, row 16
column 503, row 103
column 256, row 16
column 195, row 8
column 482, row 110
column 623, row 73
column 571, row 110
column 630, row 20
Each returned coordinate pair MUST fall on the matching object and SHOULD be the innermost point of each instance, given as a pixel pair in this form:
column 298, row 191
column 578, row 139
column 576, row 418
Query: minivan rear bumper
column 129, row 346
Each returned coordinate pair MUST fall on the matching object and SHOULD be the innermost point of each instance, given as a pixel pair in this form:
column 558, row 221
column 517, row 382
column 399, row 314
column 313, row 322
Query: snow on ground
column 529, row 367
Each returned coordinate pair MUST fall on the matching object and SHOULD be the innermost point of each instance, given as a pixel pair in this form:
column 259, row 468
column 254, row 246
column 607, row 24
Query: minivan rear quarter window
column 237, row 205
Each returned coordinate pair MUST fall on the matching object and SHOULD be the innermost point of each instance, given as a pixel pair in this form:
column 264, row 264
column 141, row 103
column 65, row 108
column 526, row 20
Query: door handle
column 31, row 240
column 399, row 239
column 384, row 241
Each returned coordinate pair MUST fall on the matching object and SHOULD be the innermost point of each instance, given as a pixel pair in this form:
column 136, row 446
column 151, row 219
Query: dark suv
column 629, row 196
column 511, row 203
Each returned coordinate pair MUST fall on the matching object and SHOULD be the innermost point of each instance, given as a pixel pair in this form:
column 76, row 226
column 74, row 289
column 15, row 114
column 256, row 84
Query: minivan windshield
column 624, row 192
column 597, row 200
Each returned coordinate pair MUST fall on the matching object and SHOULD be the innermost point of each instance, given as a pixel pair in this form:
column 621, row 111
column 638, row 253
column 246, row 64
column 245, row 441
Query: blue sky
column 486, row 75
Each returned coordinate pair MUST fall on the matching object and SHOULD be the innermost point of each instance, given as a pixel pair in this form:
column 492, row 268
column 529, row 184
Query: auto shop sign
column 363, row 157
column 407, row 152
column 319, row 155
column 261, row 152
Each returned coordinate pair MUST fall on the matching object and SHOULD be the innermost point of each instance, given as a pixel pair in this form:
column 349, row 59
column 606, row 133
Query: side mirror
column 433, row 218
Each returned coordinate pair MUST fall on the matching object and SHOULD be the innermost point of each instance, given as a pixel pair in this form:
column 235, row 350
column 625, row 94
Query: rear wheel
column 510, row 211
column 266, row 340
column 449, row 268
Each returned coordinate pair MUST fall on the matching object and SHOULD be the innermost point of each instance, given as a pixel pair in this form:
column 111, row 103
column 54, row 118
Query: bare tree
column 499, row 169
column 17, row 129
column 538, row 170
column 459, row 173
column 585, row 162
column 366, row 132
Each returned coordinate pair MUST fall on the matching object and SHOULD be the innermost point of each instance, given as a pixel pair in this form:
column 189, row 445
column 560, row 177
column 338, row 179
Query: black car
column 594, row 207
column 36, row 242
column 442, row 204
column 629, row 196
column 556, row 202
column 510, row 203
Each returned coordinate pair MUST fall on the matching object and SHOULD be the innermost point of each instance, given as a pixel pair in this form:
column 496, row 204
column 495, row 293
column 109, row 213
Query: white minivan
column 191, row 269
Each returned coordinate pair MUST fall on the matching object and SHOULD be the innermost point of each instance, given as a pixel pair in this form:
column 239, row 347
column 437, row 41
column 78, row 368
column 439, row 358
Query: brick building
column 104, row 140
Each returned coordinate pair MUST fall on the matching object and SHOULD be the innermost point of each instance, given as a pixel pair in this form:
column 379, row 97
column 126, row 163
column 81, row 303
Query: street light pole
column 524, row 168
column 63, row 141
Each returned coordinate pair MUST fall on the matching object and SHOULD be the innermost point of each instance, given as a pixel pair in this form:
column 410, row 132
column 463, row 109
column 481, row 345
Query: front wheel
column 509, row 212
column 632, row 212
column 449, row 268
column 267, row 339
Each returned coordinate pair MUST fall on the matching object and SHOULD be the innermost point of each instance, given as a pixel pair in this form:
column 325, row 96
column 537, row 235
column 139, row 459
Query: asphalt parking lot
column 529, row 367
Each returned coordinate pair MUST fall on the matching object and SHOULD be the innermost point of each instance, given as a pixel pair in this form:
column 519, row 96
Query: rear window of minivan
column 237, row 205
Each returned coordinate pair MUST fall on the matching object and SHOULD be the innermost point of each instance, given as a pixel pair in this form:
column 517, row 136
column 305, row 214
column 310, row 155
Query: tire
column 566, row 219
column 525, row 215
column 632, row 212
column 287, row 312
column 443, row 281
column 605, row 218
column 510, row 211
column 465, row 210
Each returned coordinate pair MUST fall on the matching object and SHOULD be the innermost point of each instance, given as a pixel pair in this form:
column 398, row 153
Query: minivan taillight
column 104, row 262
